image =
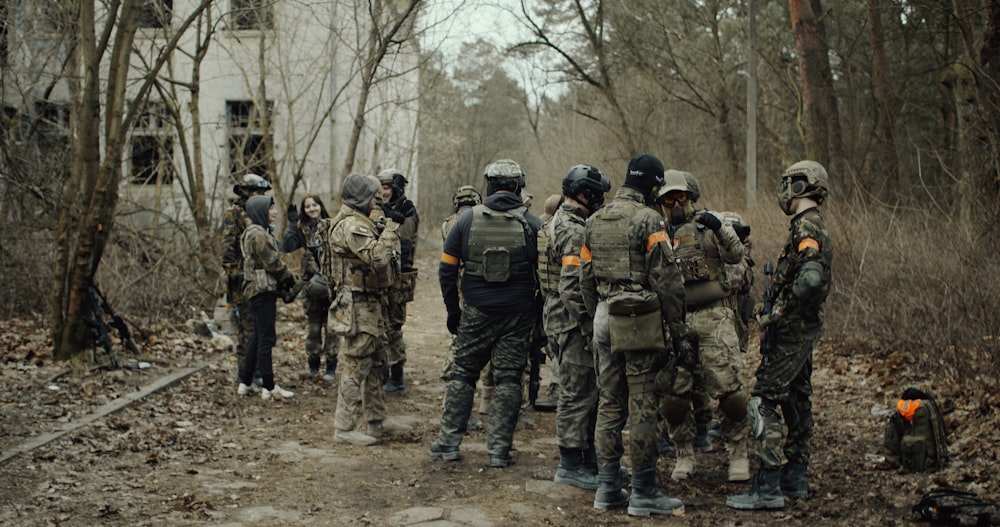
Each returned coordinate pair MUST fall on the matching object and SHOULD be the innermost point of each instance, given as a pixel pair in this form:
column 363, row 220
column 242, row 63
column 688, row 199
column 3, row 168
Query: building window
column 156, row 13
column 252, row 14
column 53, row 124
column 249, row 147
column 152, row 146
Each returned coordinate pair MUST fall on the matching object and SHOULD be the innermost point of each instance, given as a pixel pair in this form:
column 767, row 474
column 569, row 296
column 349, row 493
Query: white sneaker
column 245, row 390
column 266, row 394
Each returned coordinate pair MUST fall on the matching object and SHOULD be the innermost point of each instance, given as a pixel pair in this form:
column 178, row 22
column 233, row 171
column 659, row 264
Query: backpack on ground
column 944, row 506
column 915, row 437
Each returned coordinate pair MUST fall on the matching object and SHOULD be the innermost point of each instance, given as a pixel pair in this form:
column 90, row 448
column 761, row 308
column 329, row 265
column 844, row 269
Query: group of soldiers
column 357, row 276
column 645, row 303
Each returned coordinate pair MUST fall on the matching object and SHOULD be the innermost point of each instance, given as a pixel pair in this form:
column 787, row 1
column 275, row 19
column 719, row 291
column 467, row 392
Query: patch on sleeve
column 808, row 243
column 360, row 229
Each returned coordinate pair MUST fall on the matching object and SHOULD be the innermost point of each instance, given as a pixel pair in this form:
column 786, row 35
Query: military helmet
column 395, row 179
column 589, row 181
column 693, row 187
column 673, row 181
column 504, row 170
column 250, row 182
column 466, row 195
column 805, row 179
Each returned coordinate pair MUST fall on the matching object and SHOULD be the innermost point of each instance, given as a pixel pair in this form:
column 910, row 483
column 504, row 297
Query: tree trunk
column 821, row 131
column 885, row 159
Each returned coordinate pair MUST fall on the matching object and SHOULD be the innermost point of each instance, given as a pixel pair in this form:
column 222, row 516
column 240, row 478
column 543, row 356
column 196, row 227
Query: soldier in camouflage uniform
column 401, row 210
column 359, row 261
column 703, row 245
column 234, row 221
column 801, row 285
column 631, row 288
column 494, row 246
column 568, row 324
column 304, row 232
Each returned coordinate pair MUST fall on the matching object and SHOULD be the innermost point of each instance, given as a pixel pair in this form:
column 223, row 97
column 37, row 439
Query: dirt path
column 197, row 454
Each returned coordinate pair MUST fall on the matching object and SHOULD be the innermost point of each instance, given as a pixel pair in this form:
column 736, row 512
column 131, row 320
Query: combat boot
column 331, row 370
column 571, row 470
column 353, row 437
column 793, row 480
column 550, row 402
column 485, row 396
column 378, row 429
column 685, row 462
column 609, row 488
column 646, row 497
column 764, row 494
column 739, row 464
column 394, row 382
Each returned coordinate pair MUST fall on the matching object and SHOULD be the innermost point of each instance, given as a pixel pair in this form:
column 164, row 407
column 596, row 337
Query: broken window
column 249, row 146
column 152, row 146
column 252, row 14
column 156, row 13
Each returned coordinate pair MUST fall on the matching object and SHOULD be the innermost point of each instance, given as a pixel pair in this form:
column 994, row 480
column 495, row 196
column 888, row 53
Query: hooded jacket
column 262, row 265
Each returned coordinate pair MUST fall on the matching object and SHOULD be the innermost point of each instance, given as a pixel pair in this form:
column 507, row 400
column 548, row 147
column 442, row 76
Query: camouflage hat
column 504, row 169
column 466, row 195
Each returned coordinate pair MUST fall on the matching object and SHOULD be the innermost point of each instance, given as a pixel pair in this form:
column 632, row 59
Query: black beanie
column 645, row 171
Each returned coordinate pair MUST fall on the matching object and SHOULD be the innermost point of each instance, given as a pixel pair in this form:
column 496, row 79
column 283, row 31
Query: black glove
column 393, row 215
column 743, row 231
column 406, row 208
column 293, row 213
column 709, row 220
column 453, row 320
column 683, row 350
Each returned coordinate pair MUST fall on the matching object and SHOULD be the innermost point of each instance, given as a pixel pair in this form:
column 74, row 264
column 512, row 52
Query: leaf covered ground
column 194, row 453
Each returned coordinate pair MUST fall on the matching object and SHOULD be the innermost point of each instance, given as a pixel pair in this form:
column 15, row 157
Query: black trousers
column 258, row 355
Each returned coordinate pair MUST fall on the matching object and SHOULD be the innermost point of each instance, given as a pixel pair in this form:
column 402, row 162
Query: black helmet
column 588, row 180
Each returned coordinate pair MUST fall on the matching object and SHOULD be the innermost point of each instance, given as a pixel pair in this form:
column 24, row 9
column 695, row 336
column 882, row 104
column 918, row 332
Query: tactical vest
column 699, row 263
column 549, row 267
column 615, row 258
column 497, row 249
column 344, row 269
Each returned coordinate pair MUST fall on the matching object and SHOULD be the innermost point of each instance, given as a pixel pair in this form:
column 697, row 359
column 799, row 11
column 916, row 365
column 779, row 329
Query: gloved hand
column 683, row 350
column 393, row 215
column 292, row 213
column 453, row 320
column 709, row 220
column 743, row 231
column 406, row 208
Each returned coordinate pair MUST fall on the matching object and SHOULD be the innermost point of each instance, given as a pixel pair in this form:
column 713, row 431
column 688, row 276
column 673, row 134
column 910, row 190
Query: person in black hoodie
column 494, row 244
column 266, row 277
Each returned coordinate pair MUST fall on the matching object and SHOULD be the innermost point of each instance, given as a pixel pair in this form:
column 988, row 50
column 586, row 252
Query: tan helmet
column 805, row 179
column 251, row 182
column 466, row 196
column 674, row 181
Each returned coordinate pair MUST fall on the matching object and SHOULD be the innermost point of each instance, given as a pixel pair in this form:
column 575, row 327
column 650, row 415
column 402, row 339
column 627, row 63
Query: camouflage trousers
column 361, row 363
column 625, row 388
column 396, row 352
column 576, row 413
column 784, row 380
column 717, row 365
column 319, row 343
column 502, row 340
column 241, row 317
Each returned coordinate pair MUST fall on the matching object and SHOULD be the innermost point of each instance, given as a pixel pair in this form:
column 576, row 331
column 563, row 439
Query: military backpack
column 916, row 437
column 944, row 506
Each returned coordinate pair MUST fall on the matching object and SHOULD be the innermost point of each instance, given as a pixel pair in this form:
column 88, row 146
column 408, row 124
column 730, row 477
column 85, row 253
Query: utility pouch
column 634, row 322
column 317, row 288
column 341, row 319
column 496, row 264
column 264, row 281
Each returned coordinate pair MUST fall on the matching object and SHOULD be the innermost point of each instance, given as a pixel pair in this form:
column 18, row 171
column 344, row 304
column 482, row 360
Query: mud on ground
column 195, row 453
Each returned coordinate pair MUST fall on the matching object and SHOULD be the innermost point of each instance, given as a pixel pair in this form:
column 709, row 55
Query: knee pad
column 761, row 413
column 460, row 377
column 734, row 406
column 674, row 408
column 506, row 377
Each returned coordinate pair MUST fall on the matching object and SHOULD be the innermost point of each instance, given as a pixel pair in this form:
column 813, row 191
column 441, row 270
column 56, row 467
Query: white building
column 302, row 60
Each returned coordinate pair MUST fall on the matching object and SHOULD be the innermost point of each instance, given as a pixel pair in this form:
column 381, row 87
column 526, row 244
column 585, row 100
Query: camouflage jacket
column 234, row 222
column 564, row 310
column 263, row 268
column 450, row 221
column 807, row 241
column 649, row 253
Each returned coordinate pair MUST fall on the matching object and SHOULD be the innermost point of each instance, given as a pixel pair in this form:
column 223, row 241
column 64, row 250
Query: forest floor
column 195, row 453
